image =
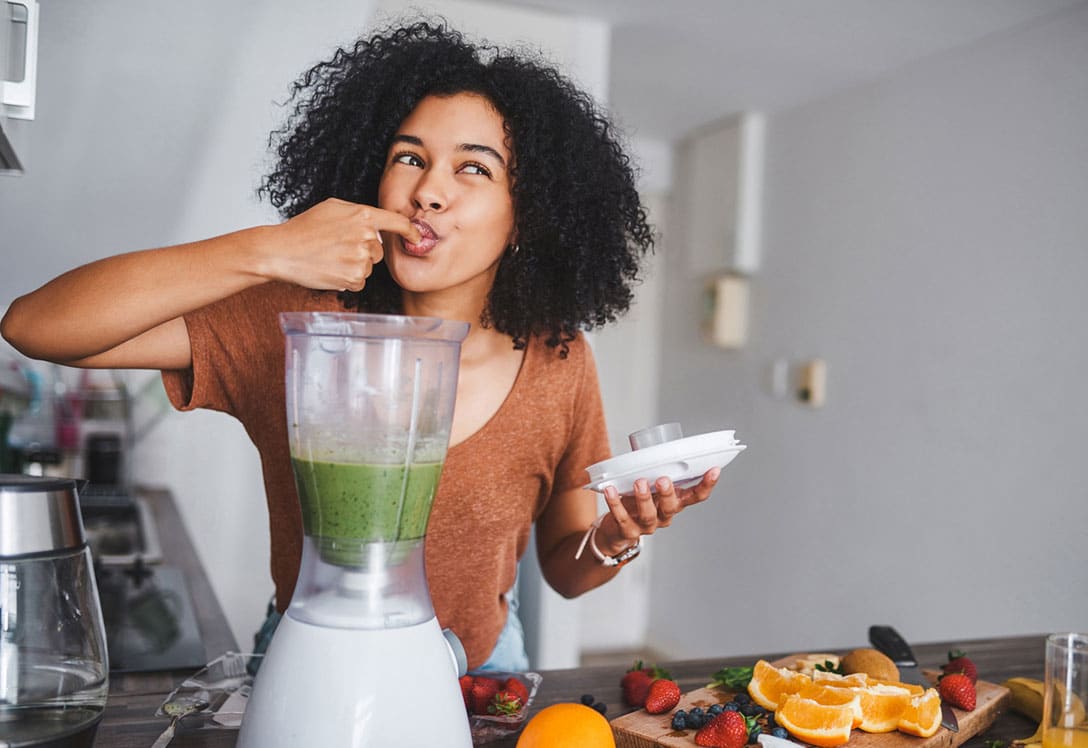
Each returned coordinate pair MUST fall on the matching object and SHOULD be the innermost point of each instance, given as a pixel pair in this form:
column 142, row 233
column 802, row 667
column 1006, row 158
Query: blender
column 54, row 672
column 359, row 658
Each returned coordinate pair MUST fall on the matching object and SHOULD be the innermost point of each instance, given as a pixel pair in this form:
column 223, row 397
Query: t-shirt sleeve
column 588, row 442
column 230, row 342
column 189, row 389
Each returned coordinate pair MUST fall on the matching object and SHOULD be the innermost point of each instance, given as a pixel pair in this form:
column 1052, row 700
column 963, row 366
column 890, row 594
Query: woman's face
column 448, row 170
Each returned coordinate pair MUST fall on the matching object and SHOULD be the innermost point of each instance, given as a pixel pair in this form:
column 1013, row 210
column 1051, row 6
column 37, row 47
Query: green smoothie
column 348, row 504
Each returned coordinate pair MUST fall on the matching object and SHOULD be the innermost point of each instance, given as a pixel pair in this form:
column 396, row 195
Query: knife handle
column 888, row 641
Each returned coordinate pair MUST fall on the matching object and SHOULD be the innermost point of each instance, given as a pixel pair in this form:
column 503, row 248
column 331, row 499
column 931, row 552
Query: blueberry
column 680, row 721
column 754, row 733
column 742, row 698
column 780, row 732
column 697, row 710
column 588, row 699
column 732, row 706
column 695, row 721
column 715, row 709
column 601, row 707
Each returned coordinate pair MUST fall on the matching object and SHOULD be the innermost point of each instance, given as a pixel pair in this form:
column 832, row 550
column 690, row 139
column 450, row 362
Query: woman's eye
column 410, row 159
column 474, row 168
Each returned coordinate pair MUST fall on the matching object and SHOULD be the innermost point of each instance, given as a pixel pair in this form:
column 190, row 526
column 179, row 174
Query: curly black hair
column 582, row 230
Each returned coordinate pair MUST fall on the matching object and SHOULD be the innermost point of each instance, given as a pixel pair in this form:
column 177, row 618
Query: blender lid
column 39, row 515
column 352, row 325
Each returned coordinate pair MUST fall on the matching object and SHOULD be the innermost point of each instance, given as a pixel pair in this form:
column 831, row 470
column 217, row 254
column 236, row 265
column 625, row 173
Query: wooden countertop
column 130, row 720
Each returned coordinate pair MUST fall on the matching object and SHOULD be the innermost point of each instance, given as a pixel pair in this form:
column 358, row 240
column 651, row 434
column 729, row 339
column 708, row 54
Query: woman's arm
column 126, row 311
column 570, row 514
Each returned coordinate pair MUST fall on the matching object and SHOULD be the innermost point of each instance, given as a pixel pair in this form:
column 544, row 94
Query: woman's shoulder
column 258, row 302
column 289, row 297
column 558, row 365
column 575, row 348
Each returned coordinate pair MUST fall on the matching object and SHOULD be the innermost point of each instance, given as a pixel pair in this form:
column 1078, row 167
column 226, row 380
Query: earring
column 514, row 249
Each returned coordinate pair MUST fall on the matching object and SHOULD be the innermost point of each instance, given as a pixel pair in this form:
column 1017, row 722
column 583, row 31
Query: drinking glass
column 1066, row 692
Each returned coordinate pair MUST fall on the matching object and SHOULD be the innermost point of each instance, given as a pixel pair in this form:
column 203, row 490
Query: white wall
column 927, row 235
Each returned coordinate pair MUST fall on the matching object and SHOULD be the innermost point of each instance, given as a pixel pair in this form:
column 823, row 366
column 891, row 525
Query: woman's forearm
column 125, row 311
column 571, row 577
column 99, row 306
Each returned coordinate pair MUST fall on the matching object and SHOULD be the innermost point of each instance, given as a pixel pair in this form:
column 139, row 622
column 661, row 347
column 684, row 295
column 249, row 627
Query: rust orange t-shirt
column 494, row 484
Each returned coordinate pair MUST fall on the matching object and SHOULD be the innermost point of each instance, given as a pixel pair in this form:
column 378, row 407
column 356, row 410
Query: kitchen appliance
column 103, row 459
column 150, row 621
column 18, row 72
column 369, row 408
column 54, row 676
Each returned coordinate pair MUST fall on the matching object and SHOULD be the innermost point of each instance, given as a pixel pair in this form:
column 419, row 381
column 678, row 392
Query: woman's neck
column 481, row 342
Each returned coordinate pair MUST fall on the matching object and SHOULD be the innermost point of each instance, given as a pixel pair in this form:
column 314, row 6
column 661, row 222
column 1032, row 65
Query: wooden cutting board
column 641, row 729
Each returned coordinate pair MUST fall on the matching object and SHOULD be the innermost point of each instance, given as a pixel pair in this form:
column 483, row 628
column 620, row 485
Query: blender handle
column 457, row 652
column 18, row 96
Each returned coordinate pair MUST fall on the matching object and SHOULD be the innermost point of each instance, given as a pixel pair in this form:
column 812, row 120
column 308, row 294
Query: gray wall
column 928, row 236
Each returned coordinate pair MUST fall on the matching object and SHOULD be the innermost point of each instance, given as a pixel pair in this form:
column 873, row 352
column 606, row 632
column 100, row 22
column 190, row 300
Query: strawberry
column 958, row 690
column 726, row 730
column 466, row 689
column 516, row 687
column 636, row 686
column 483, row 690
column 959, row 662
column 636, row 682
column 504, row 704
column 663, row 696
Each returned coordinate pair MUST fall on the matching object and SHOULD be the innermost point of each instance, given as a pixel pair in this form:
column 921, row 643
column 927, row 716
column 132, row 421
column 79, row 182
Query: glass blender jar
column 54, row 671
column 369, row 409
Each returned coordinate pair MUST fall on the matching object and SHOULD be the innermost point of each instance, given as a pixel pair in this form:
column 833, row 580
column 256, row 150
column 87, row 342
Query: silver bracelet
column 621, row 558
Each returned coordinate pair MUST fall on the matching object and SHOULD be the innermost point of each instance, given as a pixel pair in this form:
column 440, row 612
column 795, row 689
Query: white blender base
column 352, row 688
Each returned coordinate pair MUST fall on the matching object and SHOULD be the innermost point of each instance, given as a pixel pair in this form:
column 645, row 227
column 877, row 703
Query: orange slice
column 914, row 688
column 770, row 684
column 834, row 696
column 819, row 724
column 922, row 717
column 842, row 681
column 882, row 706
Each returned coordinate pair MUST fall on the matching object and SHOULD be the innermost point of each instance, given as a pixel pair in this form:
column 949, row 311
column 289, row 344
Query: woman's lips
column 426, row 244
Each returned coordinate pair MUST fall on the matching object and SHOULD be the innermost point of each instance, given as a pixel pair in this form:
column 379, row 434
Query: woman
column 419, row 174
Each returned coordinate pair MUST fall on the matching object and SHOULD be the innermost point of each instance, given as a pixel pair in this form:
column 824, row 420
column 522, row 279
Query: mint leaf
column 734, row 678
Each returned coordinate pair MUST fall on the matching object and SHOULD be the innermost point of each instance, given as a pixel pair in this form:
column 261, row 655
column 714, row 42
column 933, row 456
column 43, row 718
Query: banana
column 1027, row 699
column 1027, row 696
column 1035, row 739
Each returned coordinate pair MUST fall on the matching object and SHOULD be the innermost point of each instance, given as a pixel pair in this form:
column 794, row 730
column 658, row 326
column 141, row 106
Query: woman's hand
column 630, row 517
column 333, row 246
column 561, row 531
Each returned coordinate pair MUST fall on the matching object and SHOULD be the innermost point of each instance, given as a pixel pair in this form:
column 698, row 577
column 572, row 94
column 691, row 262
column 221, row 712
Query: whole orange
column 567, row 725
